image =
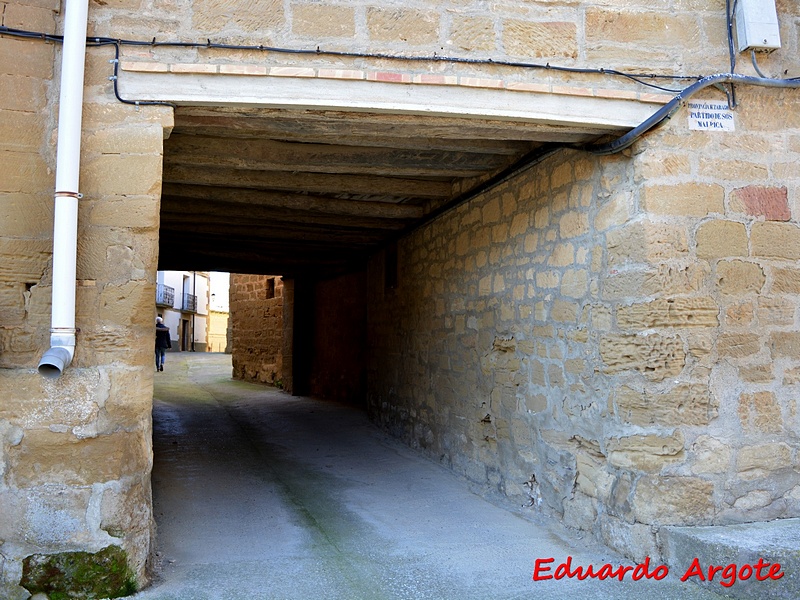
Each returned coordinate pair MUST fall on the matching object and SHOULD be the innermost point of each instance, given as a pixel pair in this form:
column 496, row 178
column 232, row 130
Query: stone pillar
column 75, row 453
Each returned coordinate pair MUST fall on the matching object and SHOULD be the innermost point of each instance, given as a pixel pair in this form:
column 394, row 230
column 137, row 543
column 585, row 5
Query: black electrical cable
column 729, row 13
column 640, row 78
column 673, row 105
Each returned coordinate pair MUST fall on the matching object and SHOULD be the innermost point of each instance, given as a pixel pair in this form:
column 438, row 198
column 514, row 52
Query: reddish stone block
column 772, row 203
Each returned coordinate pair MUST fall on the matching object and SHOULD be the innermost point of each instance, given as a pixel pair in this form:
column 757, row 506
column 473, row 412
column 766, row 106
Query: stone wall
column 614, row 339
column 75, row 453
column 256, row 315
column 667, row 37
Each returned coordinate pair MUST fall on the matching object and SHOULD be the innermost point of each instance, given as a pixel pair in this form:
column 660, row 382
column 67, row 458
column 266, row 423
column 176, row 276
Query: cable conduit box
column 757, row 25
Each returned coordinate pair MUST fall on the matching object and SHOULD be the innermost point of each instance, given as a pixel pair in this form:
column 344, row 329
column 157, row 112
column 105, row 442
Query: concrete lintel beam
column 579, row 110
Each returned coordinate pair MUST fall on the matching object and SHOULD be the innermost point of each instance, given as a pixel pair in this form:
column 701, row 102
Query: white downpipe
column 65, row 226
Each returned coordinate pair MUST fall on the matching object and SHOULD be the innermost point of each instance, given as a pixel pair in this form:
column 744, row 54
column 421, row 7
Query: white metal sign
column 710, row 115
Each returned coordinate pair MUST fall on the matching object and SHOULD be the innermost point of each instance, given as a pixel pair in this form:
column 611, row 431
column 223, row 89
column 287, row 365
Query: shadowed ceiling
column 316, row 192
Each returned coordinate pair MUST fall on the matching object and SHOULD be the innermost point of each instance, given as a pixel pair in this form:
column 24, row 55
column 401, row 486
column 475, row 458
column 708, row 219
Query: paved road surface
column 263, row 496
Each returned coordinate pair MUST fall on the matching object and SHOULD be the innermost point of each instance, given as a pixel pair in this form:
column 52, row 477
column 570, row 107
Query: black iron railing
column 189, row 303
column 165, row 295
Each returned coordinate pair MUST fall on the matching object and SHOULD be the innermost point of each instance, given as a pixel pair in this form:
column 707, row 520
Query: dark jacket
column 162, row 336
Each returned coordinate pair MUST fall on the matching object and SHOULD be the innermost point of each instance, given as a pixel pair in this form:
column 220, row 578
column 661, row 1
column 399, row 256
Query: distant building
column 182, row 300
column 218, row 312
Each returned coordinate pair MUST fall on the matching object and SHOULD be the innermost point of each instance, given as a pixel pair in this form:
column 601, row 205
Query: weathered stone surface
column 23, row 260
column 645, row 242
column 738, row 345
column 760, row 411
column 754, row 462
column 786, row 281
column 685, row 200
column 776, row 240
column 403, row 25
column 45, row 456
column 536, row 39
column 669, row 312
column 611, row 25
column 772, row 203
column 785, row 343
column 673, row 500
column 737, row 277
column 649, row 453
column 710, row 455
column 721, row 239
column 473, row 33
column 246, row 15
column 683, row 405
column 323, row 21
column 654, row 355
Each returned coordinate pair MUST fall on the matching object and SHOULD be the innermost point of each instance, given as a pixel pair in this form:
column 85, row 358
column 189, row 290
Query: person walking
column 162, row 343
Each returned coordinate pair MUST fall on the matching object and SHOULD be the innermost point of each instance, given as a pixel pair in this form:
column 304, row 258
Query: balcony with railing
column 165, row 295
column 189, row 303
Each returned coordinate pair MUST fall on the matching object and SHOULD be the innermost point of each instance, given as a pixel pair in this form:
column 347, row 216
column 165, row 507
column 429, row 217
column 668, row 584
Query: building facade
column 607, row 333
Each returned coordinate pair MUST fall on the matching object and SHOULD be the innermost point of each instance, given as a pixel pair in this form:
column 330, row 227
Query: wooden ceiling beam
column 315, row 183
column 269, row 155
column 380, row 125
column 255, row 199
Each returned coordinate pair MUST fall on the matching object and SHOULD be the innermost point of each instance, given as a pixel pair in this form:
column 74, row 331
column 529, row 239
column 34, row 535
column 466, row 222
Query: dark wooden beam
column 315, row 183
column 313, row 205
column 269, row 155
column 377, row 125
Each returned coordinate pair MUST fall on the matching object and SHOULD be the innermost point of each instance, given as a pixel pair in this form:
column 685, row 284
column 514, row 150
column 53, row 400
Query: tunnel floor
column 259, row 495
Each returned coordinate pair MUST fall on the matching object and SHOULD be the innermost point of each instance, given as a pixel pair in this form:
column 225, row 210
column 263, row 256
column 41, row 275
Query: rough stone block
column 669, row 312
column 536, row 39
column 776, row 240
column 771, row 203
column 710, row 455
column 247, row 15
column 23, row 260
column 654, row 355
column 652, row 28
column 473, row 33
column 118, row 174
column 403, row 25
column 645, row 242
column 684, row 200
column 45, row 456
column 673, row 500
column 721, row 239
column 760, row 411
column 786, row 281
column 759, row 461
column 785, row 343
column 317, row 20
column 685, row 404
column 26, row 58
column 738, row 345
column 737, row 277
column 649, row 453
column 573, row 224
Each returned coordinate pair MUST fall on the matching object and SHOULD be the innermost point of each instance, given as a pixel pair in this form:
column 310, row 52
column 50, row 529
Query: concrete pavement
column 263, row 496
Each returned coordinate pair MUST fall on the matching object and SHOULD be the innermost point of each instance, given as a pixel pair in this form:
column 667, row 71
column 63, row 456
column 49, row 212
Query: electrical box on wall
column 757, row 25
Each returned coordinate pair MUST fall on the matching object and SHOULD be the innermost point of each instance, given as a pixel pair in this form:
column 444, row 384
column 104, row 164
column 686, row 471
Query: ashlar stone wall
column 75, row 453
column 611, row 339
column 256, row 315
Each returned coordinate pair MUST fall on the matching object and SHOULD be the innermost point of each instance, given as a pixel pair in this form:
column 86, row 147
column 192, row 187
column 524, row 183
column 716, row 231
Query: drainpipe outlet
column 58, row 357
